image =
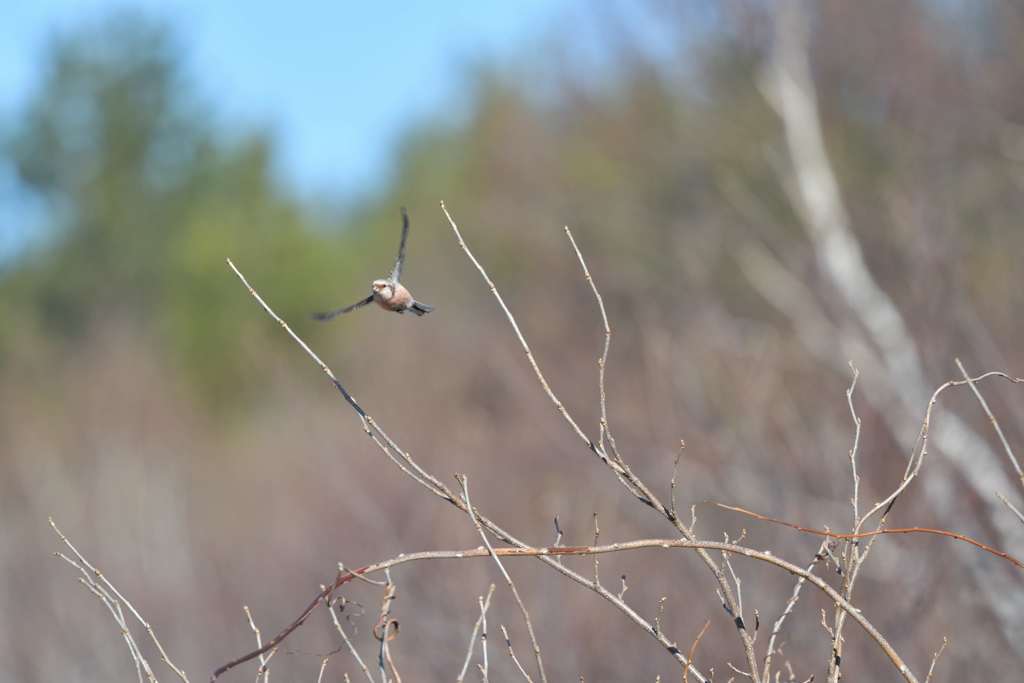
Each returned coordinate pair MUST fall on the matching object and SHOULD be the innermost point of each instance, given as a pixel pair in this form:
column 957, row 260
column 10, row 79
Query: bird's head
column 383, row 289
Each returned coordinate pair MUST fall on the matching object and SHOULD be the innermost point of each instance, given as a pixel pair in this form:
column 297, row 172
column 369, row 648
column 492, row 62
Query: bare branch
column 855, row 498
column 512, row 654
column 693, row 650
column 259, row 644
column 790, row 605
column 868, row 534
column 483, row 635
column 472, row 636
column 994, row 421
column 921, row 447
column 464, row 483
column 344, row 636
column 382, row 631
column 104, row 589
column 655, row 543
column 1011, row 507
column 622, row 471
column 519, row 335
column 602, row 361
column 935, row 658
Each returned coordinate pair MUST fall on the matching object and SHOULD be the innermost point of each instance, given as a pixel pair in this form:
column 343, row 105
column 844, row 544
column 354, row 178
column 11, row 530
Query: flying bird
column 388, row 292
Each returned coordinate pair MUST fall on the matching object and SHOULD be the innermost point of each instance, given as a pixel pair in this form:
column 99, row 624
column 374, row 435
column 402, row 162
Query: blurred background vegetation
column 201, row 460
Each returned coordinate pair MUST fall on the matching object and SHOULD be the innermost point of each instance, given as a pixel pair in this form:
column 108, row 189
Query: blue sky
column 336, row 81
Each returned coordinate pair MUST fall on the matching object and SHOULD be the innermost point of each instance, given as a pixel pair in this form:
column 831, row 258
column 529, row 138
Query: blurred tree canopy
column 148, row 193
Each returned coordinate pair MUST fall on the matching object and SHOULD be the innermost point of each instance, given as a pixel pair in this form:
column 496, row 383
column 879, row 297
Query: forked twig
column 106, row 591
column 790, row 605
column 472, row 636
column 464, row 483
column 259, row 643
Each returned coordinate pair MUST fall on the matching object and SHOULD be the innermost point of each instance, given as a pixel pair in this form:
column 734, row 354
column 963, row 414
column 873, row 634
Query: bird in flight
column 388, row 292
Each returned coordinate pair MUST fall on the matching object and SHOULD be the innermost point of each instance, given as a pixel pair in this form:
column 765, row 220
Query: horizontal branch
column 647, row 543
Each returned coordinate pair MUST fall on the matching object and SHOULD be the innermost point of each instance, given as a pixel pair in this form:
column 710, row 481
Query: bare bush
column 846, row 553
column 894, row 388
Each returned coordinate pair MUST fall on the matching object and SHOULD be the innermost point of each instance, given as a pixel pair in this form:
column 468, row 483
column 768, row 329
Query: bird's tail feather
column 421, row 308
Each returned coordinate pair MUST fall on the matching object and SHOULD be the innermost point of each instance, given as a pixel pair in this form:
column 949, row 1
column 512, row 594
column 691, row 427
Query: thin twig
column 472, row 636
column 994, row 421
column 1011, row 506
column 112, row 605
column 464, row 483
column 264, row 668
column 935, row 658
column 519, row 335
column 693, row 650
column 512, row 654
column 855, row 498
column 259, row 643
column 485, row 666
column 344, row 636
column 921, row 446
column 108, row 586
column 672, row 483
column 382, row 631
column 868, row 534
column 851, row 558
column 790, row 605
column 602, row 361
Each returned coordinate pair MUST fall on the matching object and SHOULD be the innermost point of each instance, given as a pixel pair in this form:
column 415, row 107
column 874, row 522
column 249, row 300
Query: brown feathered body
column 392, row 296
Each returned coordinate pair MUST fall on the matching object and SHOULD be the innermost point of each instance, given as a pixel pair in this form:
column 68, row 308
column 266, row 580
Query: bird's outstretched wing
column 396, row 272
column 341, row 311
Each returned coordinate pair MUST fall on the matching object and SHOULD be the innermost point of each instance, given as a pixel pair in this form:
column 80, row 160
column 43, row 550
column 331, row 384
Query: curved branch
column 546, row 555
column 646, row 543
column 404, row 461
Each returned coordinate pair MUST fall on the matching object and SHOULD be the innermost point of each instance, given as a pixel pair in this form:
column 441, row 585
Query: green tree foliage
column 147, row 196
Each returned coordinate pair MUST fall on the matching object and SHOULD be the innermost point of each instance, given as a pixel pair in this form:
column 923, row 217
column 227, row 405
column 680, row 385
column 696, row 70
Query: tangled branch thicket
column 844, row 552
column 833, row 570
